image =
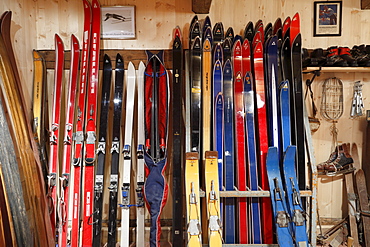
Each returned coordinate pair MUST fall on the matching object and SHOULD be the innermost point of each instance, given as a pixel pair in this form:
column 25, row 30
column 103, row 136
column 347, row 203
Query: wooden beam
column 365, row 4
column 201, row 6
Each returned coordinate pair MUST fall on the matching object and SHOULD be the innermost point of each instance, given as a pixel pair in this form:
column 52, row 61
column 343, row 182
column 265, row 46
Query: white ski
column 130, row 101
column 140, row 175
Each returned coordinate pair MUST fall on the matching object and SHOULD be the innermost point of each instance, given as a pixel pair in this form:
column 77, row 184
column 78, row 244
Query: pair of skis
column 212, row 199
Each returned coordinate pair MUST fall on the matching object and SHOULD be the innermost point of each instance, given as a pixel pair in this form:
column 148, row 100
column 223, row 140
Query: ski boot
column 359, row 53
column 317, row 57
column 333, row 58
column 344, row 52
column 306, row 60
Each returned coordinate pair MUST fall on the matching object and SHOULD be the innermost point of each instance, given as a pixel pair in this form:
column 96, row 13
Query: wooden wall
column 35, row 23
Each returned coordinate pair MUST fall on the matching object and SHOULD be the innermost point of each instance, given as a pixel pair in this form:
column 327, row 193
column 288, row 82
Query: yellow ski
column 213, row 202
column 193, row 200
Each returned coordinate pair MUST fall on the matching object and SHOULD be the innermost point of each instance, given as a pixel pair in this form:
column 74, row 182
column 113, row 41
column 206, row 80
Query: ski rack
column 135, row 56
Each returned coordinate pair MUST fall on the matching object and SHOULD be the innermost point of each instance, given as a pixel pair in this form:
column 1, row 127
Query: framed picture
column 327, row 18
column 118, row 22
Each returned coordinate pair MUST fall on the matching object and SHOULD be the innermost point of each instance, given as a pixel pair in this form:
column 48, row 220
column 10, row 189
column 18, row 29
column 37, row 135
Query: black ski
column 103, row 126
column 115, row 150
column 177, row 222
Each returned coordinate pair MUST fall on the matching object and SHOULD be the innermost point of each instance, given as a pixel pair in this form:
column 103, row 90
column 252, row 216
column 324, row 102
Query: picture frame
column 327, row 18
column 118, row 22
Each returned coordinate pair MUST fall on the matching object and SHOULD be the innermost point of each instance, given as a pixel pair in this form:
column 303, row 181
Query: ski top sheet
column 206, row 97
column 195, row 96
column 127, row 155
column 78, row 136
column 177, row 125
column 298, row 108
column 250, row 125
column 249, row 32
column 67, row 148
column 295, row 28
column 284, row 107
column 229, row 156
column 156, row 122
column 281, row 218
column 140, row 173
column 115, row 151
column 286, row 26
column 246, row 57
column 54, row 130
column 237, row 59
column 103, row 126
column 193, row 212
column 90, row 117
column 218, row 54
column 39, row 104
column 294, row 202
column 213, row 199
column 241, row 156
column 218, row 33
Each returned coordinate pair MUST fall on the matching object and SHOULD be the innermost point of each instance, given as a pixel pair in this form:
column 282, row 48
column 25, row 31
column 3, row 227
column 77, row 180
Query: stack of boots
column 332, row 157
column 317, row 57
column 342, row 162
column 333, row 58
column 344, row 53
column 361, row 56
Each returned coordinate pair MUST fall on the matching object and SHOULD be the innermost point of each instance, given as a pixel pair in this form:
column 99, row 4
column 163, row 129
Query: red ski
column 54, row 130
column 66, row 165
column 80, row 123
column 90, row 119
column 294, row 28
column 240, row 147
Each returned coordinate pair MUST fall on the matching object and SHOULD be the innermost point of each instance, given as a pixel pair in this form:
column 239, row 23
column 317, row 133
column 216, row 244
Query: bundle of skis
column 244, row 112
column 76, row 187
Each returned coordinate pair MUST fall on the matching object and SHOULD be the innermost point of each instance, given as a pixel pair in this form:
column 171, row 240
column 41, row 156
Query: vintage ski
column 39, row 104
column 78, row 136
column 54, row 130
column 193, row 213
column 280, row 214
column 241, row 157
column 294, row 202
column 294, row 28
column 271, row 68
column 213, row 199
column 206, row 97
column 364, row 205
column 67, row 148
column 90, row 118
column 218, row 54
column 115, row 152
column 103, row 126
column 261, row 135
column 218, row 122
column 229, row 156
column 177, row 141
column 127, row 152
column 195, row 98
column 156, row 121
column 298, row 108
column 250, row 122
column 284, row 108
column 248, row 32
column 140, row 173
column 218, row 33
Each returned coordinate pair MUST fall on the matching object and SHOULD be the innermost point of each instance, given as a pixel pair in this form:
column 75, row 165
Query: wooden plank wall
column 35, row 23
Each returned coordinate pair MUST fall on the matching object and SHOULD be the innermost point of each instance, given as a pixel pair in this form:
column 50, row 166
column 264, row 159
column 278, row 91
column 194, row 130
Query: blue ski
column 281, row 218
column 252, row 155
column 284, row 105
column 229, row 158
column 294, row 203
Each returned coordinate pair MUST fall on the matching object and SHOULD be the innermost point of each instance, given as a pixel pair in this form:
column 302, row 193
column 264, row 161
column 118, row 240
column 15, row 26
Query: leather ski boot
column 333, row 58
column 342, row 162
column 332, row 157
column 344, row 52
column 306, row 60
column 359, row 53
column 317, row 57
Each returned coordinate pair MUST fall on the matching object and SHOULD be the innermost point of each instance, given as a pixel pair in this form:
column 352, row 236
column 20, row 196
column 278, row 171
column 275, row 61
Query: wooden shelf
column 338, row 69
